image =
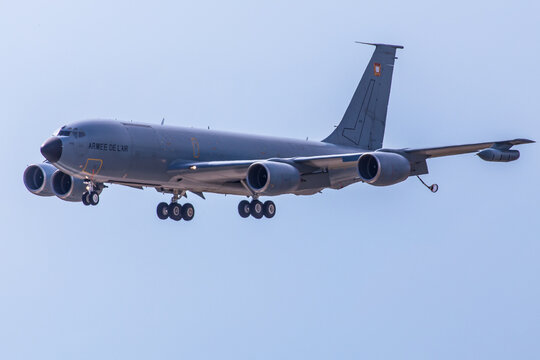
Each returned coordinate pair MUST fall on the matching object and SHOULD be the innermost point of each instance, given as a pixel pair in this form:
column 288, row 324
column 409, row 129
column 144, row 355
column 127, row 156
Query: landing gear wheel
column 175, row 211
column 163, row 211
column 256, row 209
column 244, row 208
column 86, row 198
column 93, row 198
column 188, row 211
column 434, row 188
column 269, row 209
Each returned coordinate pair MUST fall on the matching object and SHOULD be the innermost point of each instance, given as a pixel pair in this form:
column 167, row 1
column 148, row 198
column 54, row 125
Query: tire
column 244, row 208
column 256, row 209
column 188, row 211
column 93, row 198
column 86, row 198
column 175, row 211
column 163, row 211
column 269, row 209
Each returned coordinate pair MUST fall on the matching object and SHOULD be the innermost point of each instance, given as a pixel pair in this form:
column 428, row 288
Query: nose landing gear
column 90, row 196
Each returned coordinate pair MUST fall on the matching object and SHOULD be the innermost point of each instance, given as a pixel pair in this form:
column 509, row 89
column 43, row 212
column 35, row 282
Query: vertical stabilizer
column 365, row 119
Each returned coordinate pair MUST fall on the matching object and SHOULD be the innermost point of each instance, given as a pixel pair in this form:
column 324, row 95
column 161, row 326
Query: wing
column 236, row 170
column 464, row 149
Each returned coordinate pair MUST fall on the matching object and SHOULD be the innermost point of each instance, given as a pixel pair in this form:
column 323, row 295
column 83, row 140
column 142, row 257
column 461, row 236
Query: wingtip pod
column 500, row 151
column 497, row 155
column 379, row 44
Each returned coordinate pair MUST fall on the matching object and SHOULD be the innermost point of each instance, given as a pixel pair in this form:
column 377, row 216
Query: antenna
column 162, row 121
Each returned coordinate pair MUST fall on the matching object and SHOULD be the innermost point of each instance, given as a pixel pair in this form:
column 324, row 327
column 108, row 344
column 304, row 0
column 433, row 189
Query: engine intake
column 66, row 187
column 272, row 178
column 37, row 179
column 383, row 168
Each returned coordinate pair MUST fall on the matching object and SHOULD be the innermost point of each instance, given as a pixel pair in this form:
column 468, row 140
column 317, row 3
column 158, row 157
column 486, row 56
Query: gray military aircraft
column 84, row 156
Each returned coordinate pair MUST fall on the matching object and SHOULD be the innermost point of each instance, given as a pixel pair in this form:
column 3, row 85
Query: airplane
column 82, row 157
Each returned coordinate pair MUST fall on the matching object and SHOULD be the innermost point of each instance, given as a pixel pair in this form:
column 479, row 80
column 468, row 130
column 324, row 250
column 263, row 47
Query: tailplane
column 365, row 119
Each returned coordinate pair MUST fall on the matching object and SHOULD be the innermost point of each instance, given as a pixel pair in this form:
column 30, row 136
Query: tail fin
column 364, row 121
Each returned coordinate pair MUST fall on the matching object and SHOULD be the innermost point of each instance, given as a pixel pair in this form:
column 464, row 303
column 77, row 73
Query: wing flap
column 211, row 171
column 235, row 170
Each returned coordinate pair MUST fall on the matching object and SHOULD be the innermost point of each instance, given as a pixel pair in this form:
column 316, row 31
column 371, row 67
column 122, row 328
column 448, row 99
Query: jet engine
column 497, row 155
column 272, row 178
column 37, row 179
column 67, row 187
column 383, row 168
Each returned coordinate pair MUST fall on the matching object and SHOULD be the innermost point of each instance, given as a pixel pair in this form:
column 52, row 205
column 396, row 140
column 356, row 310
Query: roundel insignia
column 377, row 69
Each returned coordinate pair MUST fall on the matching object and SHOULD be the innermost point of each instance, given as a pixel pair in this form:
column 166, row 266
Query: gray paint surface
column 174, row 159
column 365, row 119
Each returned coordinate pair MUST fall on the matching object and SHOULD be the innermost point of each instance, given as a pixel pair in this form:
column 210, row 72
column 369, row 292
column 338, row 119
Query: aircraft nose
column 52, row 149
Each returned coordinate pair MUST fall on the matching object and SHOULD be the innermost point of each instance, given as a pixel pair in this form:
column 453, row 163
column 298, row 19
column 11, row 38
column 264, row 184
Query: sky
column 363, row 272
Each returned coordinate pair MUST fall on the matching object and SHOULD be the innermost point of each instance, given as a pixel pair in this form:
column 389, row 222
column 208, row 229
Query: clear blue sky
column 360, row 273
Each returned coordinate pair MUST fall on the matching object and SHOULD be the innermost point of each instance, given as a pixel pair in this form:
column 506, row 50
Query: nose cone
column 52, row 149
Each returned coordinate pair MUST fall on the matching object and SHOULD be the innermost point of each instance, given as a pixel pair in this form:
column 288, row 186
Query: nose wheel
column 91, row 196
column 94, row 198
column 257, row 209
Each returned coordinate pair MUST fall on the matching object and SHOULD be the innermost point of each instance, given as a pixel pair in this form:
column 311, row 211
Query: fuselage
column 127, row 152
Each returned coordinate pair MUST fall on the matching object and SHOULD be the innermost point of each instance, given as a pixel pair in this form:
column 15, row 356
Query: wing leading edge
column 236, row 170
column 464, row 149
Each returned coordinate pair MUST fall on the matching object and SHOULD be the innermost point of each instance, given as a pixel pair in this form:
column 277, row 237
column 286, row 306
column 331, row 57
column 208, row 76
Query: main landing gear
column 175, row 211
column 257, row 209
column 90, row 196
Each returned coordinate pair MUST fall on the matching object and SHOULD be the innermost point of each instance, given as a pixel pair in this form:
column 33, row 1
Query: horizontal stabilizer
column 378, row 44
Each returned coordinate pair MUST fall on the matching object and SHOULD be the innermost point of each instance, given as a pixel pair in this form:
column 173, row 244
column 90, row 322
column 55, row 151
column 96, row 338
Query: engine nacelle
column 272, row 178
column 383, row 168
column 37, row 179
column 497, row 155
column 66, row 187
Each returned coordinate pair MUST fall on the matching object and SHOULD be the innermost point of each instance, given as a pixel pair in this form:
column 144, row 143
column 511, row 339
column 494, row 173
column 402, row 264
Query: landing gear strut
column 256, row 209
column 174, row 210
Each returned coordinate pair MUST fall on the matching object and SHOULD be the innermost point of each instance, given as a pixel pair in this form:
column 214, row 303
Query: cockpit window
column 67, row 131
